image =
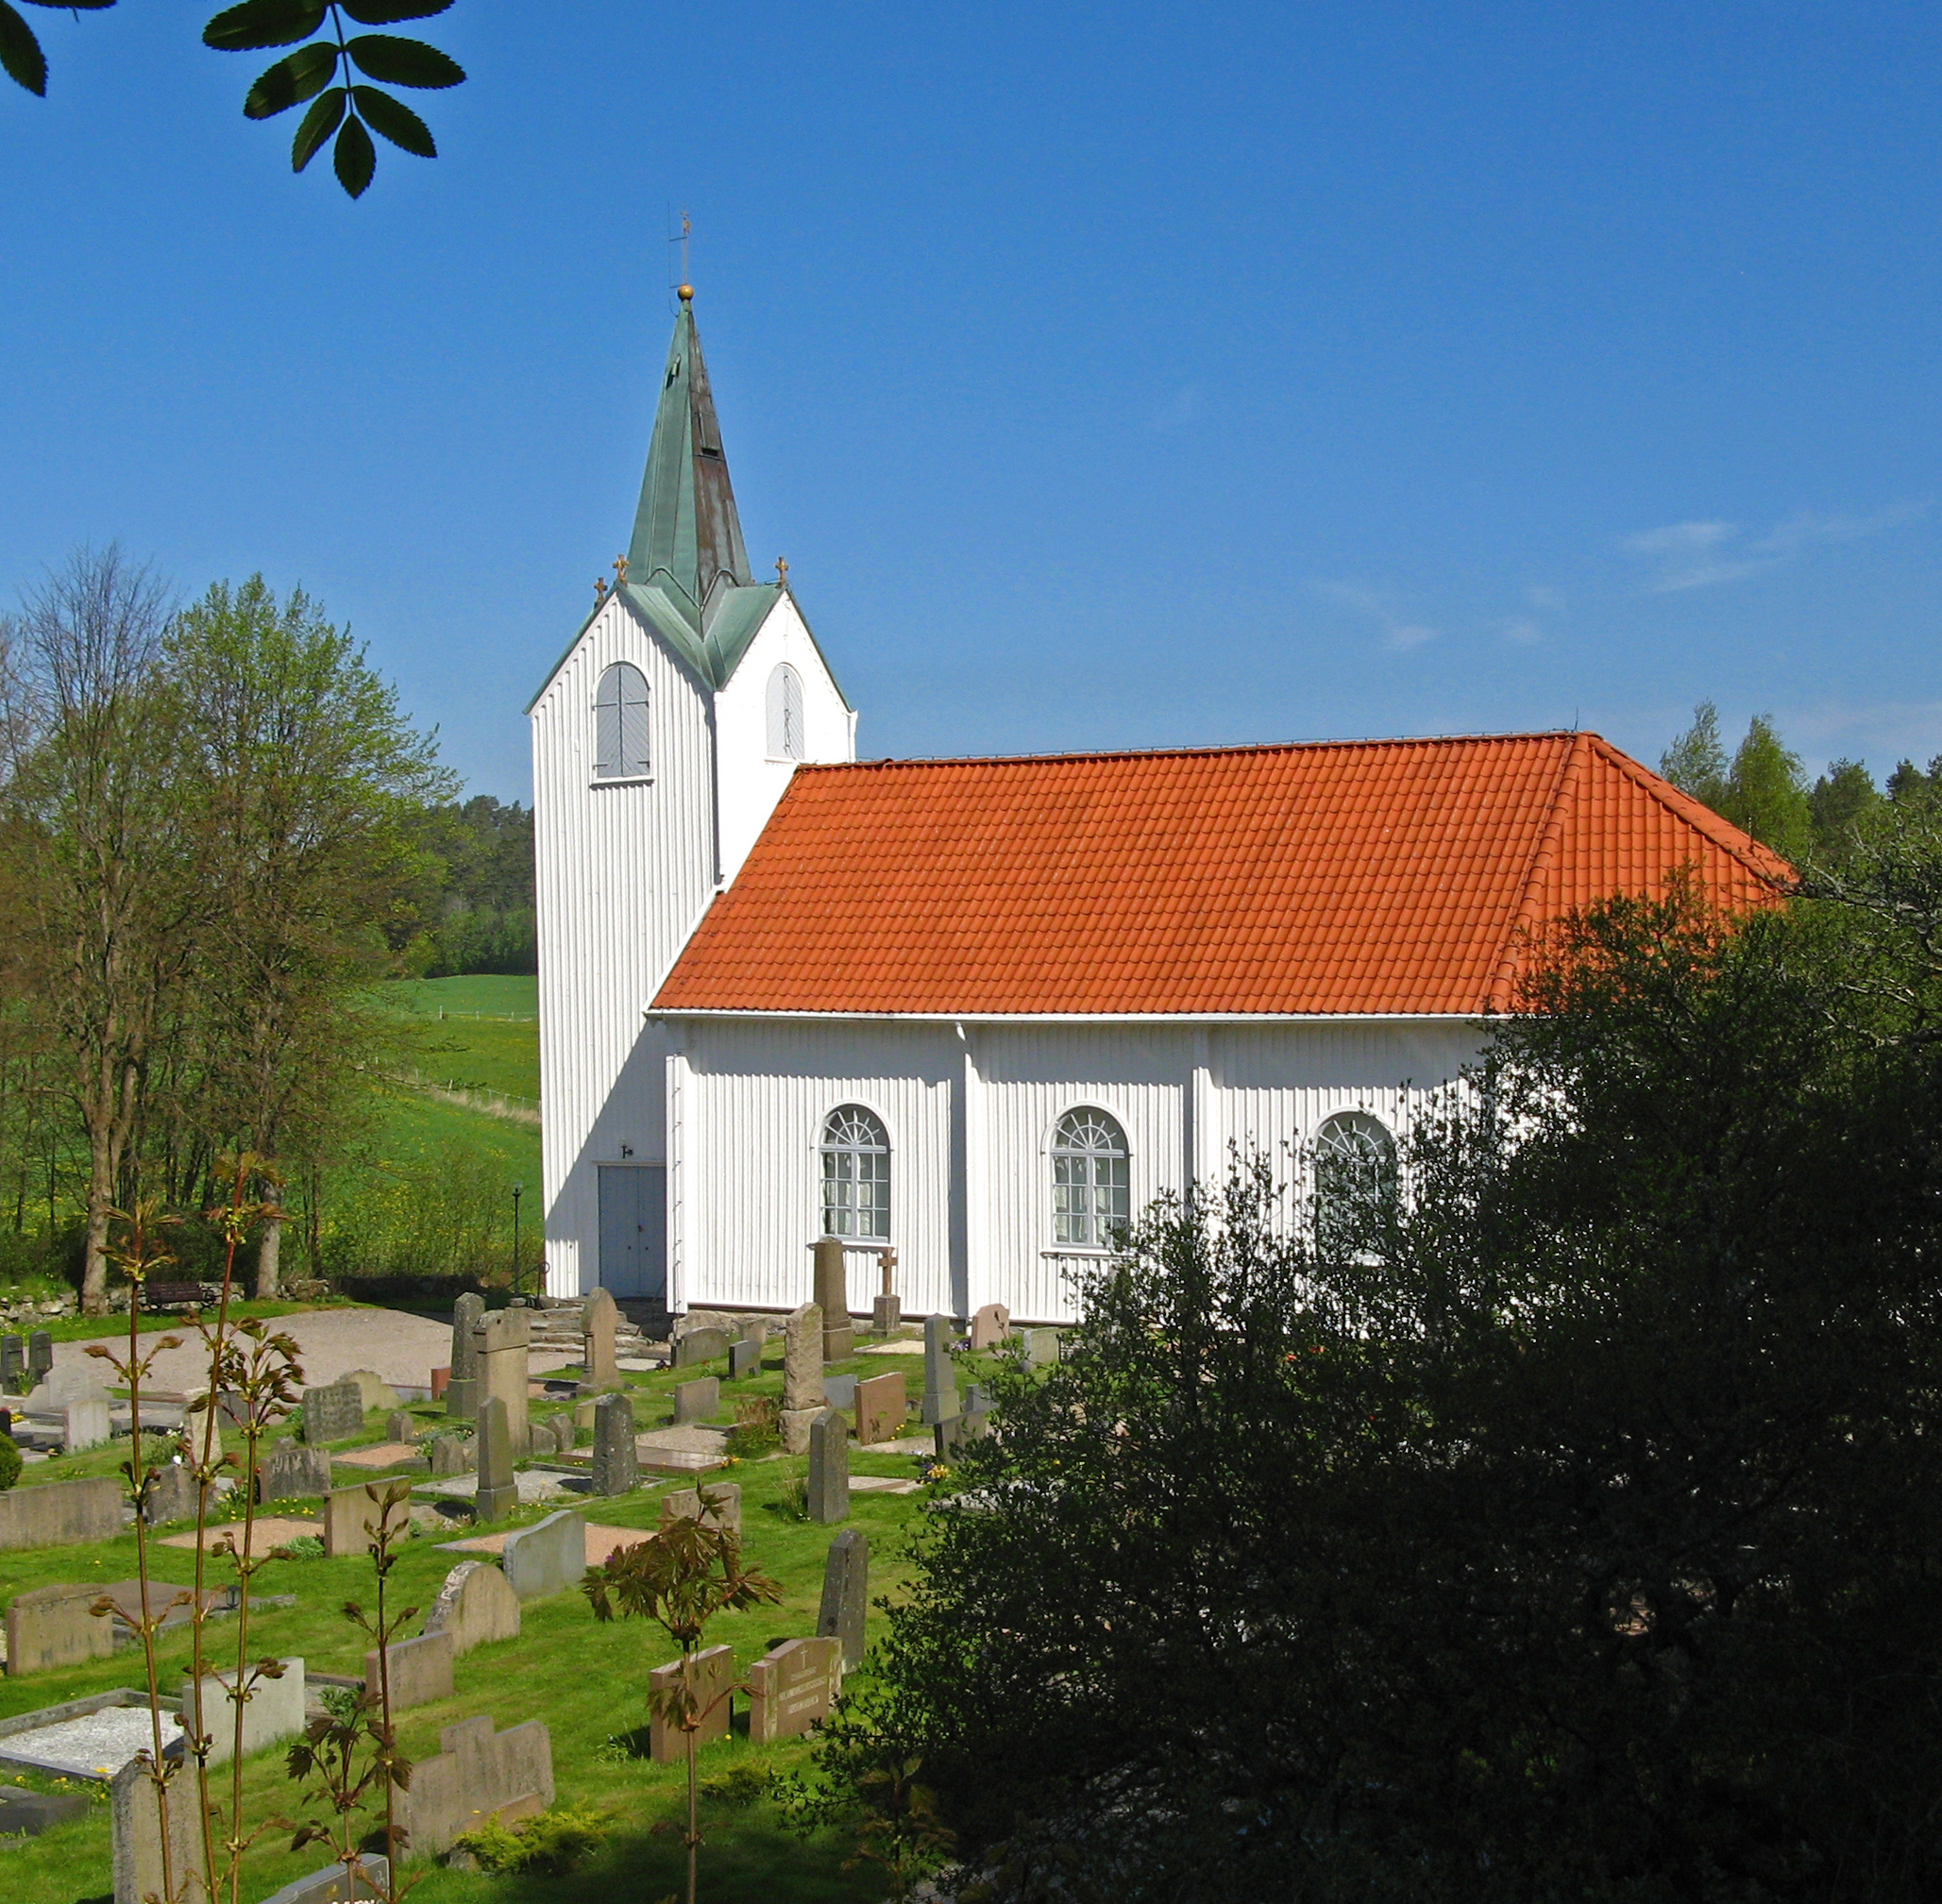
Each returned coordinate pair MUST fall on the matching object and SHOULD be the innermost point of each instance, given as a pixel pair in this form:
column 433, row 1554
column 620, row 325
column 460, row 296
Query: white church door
column 633, row 1230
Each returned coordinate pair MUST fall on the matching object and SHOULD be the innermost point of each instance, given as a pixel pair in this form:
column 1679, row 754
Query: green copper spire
column 687, row 538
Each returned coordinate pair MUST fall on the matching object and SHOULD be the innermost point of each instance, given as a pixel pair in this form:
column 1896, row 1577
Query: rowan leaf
column 291, row 81
column 354, row 158
column 19, row 53
column 383, row 12
column 324, row 116
column 258, row 24
column 396, row 121
column 404, row 62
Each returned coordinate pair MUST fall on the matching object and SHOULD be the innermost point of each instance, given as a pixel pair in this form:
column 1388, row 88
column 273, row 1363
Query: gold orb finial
column 684, row 291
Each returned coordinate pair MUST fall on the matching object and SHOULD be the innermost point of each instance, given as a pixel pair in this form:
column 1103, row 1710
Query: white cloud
column 1385, row 608
column 1523, row 630
column 1543, row 596
column 1704, row 554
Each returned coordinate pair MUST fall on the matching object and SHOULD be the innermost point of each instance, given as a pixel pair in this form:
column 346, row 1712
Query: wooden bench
column 179, row 1295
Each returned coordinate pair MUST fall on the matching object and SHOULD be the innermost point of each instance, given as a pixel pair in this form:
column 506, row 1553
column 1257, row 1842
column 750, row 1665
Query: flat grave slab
column 600, row 1542
column 882, row 1484
column 384, row 1455
column 96, row 1746
column 639, row 1365
column 535, row 1484
column 269, row 1531
column 913, row 1347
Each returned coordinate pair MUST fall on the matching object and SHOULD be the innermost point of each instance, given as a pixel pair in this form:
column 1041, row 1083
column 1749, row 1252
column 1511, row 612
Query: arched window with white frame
column 856, row 1175
column 784, row 713
column 1355, row 1183
column 1091, row 1180
column 620, row 724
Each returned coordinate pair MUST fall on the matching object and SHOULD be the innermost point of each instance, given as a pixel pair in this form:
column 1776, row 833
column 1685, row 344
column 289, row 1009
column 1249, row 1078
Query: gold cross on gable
column 781, row 571
column 620, row 570
column 599, row 589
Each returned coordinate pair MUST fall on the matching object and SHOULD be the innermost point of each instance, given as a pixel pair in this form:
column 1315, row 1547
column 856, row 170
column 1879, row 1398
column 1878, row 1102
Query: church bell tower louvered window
column 620, row 724
column 785, row 714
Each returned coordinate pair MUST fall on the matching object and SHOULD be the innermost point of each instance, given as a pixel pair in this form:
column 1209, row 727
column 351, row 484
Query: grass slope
column 587, row 1682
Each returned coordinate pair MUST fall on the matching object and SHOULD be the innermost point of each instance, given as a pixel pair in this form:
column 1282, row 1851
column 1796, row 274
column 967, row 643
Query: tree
column 1842, row 799
column 1576, row 1536
column 1696, row 761
column 305, row 776
column 99, row 850
column 1766, row 791
column 333, row 70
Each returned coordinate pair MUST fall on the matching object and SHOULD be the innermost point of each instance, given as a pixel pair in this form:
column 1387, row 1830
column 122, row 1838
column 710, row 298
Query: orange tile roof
column 1394, row 876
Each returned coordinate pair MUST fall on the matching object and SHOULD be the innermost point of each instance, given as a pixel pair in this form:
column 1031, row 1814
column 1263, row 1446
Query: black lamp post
column 518, row 1192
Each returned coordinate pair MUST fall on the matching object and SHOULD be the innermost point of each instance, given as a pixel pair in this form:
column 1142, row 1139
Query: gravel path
column 400, row 1349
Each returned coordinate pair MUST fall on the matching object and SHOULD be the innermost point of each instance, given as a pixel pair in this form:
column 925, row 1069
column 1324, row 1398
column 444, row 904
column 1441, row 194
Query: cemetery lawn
column 585, row 1680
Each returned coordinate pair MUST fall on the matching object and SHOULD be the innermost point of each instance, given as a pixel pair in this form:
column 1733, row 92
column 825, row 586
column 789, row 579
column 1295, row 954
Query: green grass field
column 481, row 1033
column 587, row 1682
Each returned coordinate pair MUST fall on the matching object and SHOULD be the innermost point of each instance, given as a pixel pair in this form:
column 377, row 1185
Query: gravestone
column 840, row 1392
column 548, row 1556
column 475, row 1607
column 792, row 1688
column 616, row 1466
column 51, row 1627
column 462, row 1389
column 62, row 1514
column 599, row 1317
column 883, row 1405
column 802, row 1391
column 139, row 1812
column 351, row 1518
column 1041, row 1348
column 13, row 1366
column 886, row 1315
column 85, row 1425
column 700, row 1345
column 26, row 1814
column 757, row 1329
column 713, row 1671
column 989, row 1327
column 168, row 1494
column 498, row 1494
column 829, row 1469
column 724, row 1506
column 478, row 1775
column 333, row 1413
column 339, row 1883
column 40, row 1355
column 697, row 1400
column 449, row 1454
column 418, row 1671
column 833, row 1299
column 294, row 1472
column 54, row 1389
column 744, row 1358
column 504, row 1337
column 399, row 1427
column 373, row 1389
column 846, row 1595
column 272, row 1709
column 940, row 1378
column 441, row 1381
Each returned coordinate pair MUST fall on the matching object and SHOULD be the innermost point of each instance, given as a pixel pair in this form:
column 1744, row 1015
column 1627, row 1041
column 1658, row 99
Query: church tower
column 662, row 740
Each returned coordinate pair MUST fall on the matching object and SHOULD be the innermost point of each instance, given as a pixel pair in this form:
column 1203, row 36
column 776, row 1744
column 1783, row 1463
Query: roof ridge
column 1755, row 855
column 1199, row 752
column 1542, row 856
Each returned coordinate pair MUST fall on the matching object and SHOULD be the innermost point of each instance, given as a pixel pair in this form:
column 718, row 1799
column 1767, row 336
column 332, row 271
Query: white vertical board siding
column 755, row 1096
column 751, row 781
column 623, row 871
column 1029, row 1077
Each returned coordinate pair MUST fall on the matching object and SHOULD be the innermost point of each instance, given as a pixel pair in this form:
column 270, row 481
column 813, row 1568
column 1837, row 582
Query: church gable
column 1383, row 878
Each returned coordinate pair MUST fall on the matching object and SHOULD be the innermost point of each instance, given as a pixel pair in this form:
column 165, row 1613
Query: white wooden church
column 978, row 1012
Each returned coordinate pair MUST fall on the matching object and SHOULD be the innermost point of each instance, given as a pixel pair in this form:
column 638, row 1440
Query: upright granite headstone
column 829, row 1469
column 498, row 1494
column 991, row 1326
column 52, row 1627
column 353, row 1516
column 272, row 1709
column 62, row 1513
column 548, row 1556
column 697, row 1400
column 883, row 1405
column 294, row 1472
column 40, row 1355
column 802, row 1393
column 700, row 1345
column 599, row 1317
column 723, row 1507
column 616, row 1467
column 85, row 1425
column 476, row 1605
column 940, row 1378
column 478, row 1773
column 168, row 1494
column 399, row 1427
column 139, row 1814
column 449, row 1454
column 710, row 1689
column 1041, row 1348
column 13, row 1366
column 846, row 1595
column 373, row 1390
column 461, row 1390
column 833, row 1299
column 333, row 1412
column 792, row 1688
column 340, row 1883
column 503, row 1338
column 416, row 1671
column 744, row 1358
column 886, row 1315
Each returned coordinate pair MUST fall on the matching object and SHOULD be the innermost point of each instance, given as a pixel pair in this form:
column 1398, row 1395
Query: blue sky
column 1109, row 374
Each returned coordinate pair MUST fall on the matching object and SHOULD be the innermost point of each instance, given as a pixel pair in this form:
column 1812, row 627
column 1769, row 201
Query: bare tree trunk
column 268, row 1248
column 101, row 1174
